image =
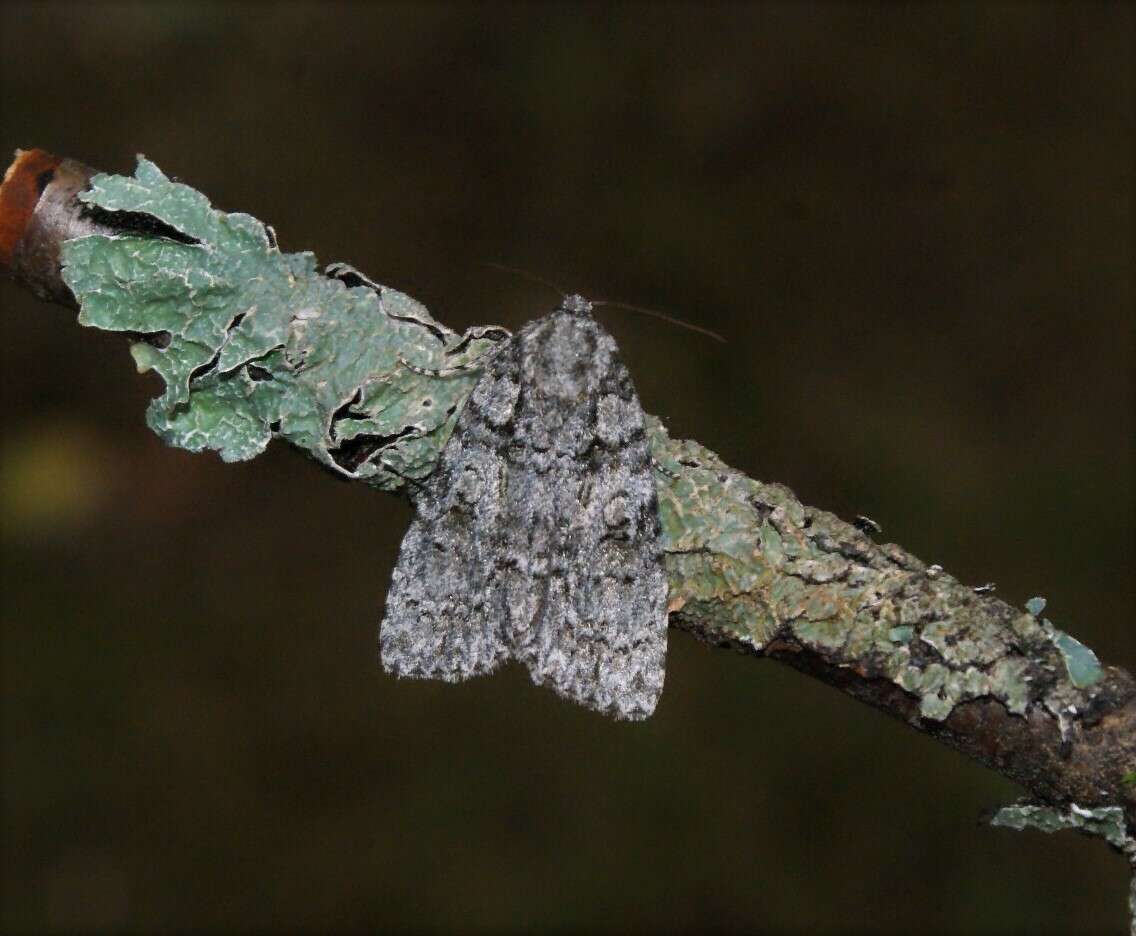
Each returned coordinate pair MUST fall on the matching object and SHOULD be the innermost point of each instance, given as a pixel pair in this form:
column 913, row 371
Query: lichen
column 827, row 585
column 254, row 342
column 1081, row 663
column 1106, row 822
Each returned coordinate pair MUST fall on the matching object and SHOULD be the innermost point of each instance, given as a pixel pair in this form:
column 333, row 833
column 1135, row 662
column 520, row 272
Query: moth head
column 576, row 305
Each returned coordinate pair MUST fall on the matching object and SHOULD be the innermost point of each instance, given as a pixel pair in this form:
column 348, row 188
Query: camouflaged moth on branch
column 537, row 536
column 256, row 344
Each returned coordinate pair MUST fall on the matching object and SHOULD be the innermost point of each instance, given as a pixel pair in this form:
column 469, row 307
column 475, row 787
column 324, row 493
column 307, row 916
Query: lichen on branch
column 254, row 343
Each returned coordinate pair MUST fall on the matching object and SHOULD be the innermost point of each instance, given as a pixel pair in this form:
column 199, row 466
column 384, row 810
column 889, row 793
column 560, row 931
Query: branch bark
column 752, row 568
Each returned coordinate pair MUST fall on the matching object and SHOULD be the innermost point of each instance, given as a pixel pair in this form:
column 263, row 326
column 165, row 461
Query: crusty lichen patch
column 1106, row 822
column 748, row 562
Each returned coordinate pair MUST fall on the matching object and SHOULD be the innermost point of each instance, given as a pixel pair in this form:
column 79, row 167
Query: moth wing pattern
column 537, row 537
column 596, row 632
column 445, row 604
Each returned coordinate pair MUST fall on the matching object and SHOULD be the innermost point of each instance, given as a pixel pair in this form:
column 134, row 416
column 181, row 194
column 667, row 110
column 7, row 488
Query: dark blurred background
column 914, row 223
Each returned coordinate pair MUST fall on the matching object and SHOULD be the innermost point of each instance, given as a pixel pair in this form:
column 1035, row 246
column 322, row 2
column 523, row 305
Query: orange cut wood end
column 30, row 173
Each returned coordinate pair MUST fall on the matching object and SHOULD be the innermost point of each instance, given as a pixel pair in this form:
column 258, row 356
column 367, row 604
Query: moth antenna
column 661, row 315
column 531, row 277
column 535, row 278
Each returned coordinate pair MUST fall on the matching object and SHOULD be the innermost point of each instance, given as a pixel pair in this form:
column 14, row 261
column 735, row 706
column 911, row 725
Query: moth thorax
column 576, row 305
column 566, row 358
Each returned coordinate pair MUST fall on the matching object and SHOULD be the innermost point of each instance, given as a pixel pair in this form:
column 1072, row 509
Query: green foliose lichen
column 254, row 343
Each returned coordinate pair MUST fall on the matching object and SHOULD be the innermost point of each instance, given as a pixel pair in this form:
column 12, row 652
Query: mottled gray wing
column 537, row 535
column 444, row 610
column 586, row 592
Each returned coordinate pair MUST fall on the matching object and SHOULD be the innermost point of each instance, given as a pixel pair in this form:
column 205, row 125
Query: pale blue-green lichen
column 901, row 634
column 805, row 574
column 1080, row 662
column 714, row 560
column 253, row 342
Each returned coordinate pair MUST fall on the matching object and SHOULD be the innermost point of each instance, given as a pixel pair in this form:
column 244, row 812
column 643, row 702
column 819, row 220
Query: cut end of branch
column 30, row 173
column 38, row 211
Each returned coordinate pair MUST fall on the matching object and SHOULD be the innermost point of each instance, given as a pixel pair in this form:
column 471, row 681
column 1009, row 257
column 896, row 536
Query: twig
column 750, row 567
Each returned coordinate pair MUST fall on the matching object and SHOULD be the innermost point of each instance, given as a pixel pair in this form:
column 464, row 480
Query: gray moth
column 536, row 538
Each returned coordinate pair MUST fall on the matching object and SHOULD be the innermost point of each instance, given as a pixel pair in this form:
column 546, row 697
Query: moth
column 537, row 538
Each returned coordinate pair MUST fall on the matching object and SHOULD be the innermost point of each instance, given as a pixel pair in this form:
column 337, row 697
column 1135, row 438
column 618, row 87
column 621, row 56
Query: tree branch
column 749, row 566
